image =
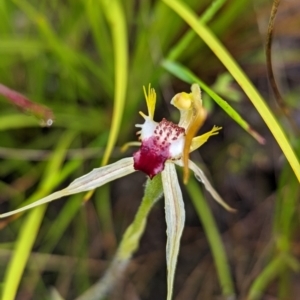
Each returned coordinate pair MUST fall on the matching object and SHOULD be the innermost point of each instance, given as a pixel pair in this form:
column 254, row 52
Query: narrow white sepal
column 87, row 182
column 175, row 218
column 100, row 176
column 202, row 178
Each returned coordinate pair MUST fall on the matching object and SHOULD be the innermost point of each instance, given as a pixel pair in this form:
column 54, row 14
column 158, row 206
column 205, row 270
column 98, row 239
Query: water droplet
column 49, row 122
column 46, row 123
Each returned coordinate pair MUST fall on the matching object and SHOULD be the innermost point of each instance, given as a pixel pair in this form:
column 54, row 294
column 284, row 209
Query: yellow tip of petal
column 200, row 140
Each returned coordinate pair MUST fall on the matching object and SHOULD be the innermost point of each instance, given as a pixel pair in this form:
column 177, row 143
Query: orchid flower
column 162, row 146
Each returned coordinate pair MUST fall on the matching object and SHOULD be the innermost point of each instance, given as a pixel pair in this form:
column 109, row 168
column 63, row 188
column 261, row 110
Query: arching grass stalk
column 116, row 19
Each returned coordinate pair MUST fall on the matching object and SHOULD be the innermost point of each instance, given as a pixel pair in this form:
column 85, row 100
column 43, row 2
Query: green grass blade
column 28, row 48
column 186, row 40
column 213, row 236
column 214, row 44
column 275, row 267
column 24, row 243
column 116, row 18
column 69, row 57
column 15, row 121
column 59, row 226
column 45, row 29
column 105, row 213
column 30, row 228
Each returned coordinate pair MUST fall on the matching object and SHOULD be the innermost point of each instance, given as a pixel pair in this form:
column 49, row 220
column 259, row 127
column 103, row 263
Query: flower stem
column 129, row 243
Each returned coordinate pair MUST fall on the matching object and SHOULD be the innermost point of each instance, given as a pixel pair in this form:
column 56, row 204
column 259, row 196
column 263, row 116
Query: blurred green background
column 87, row 61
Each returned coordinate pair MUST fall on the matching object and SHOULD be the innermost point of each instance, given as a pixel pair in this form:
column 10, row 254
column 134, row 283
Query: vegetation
column 83, row 65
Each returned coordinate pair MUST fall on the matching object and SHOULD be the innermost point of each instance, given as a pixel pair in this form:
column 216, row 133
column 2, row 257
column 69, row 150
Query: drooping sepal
column 175, row 219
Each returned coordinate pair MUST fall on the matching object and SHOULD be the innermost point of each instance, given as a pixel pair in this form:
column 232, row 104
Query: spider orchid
column 162, row 146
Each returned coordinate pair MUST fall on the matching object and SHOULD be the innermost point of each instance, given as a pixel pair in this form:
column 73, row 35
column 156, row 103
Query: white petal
column 175, row 217
column 201, row 177
column 87, row 182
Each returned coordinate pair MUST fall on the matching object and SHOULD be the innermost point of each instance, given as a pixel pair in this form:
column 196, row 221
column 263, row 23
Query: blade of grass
column 81, row 239
column 60, row 224
column 28, row 48
column 116, row 18
column 215, row 45
column 30, row 228
column 101, row 34
column 5, row 17
column 47, row 32
column 72, row 120
column 287, row 200
column 58, row 228
column 106, row 219
column 14, row 121
column 275, row 267
column 23, row 246
column 213, row 236
column 186, row 40
column 71, row 59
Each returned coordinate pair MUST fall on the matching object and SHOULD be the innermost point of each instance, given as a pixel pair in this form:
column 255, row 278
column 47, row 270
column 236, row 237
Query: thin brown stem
column 269, row 40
